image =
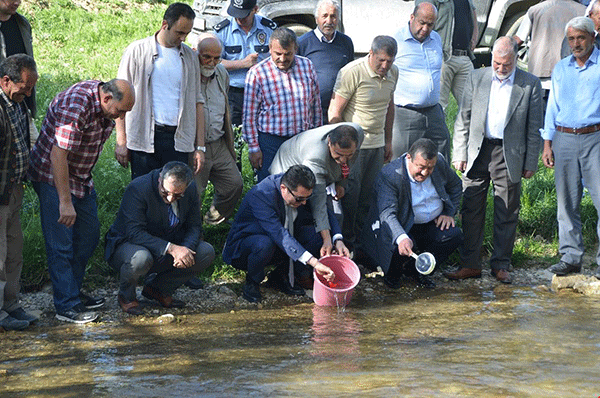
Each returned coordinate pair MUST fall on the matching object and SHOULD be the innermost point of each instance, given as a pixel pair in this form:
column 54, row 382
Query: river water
column 506, row 342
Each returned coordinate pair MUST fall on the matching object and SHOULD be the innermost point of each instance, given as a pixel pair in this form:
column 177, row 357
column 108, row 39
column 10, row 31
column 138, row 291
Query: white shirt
column 426, row 203
column 322, row 37
column 166, row 85
column 498, row 106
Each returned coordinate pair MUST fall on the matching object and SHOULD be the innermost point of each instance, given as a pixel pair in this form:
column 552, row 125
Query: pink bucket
column 347, row 276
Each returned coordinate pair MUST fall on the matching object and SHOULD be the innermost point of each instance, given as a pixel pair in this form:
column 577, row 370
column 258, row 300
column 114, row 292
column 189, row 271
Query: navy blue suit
column 258, row 236
column 391, row 215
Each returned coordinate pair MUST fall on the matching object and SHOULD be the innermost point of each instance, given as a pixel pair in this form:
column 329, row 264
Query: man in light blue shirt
column 415, row 199
column 245, row 37
column 572, row 140
column 419, row 59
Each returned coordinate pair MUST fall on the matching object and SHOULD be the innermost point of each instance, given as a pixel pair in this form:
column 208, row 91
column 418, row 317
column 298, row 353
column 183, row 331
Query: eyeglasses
column 164, row 193
column 298, row 199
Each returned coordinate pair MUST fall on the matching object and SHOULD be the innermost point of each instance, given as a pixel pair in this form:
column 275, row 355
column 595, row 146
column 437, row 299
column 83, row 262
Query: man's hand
column 547, row 154
column 387, row 152
column 341, row 249
column 460, row 165
column 405, row 247
column 256, row 159
column 528, row 174
column 325, row 271
column 340, row 191
column 182, row 256
column 444, row 222
column 250, row 60
column 67, row 214
column 327, row 248
column 122, row 154
column 198, row 161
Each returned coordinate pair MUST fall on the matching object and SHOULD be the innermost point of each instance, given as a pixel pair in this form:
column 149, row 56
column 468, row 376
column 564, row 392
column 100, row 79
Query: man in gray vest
column 219, row 161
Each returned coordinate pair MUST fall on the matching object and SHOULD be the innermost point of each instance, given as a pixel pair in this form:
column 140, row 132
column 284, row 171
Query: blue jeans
column 68, row 249
column 269, row 145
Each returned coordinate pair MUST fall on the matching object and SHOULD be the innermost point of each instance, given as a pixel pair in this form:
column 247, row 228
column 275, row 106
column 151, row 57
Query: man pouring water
column 415, row 199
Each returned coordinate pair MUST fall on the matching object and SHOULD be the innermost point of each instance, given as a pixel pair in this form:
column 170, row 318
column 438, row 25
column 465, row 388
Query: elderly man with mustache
column 219, row 162
column 327, row 48
column 572, row 139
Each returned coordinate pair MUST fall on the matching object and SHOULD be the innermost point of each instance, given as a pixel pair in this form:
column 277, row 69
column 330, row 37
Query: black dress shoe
column 279, row 282
column 251, row 292
column 391, row 282
column 194, row 283
column 424, row 281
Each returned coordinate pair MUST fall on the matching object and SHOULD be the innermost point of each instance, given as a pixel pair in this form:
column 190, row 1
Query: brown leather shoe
column 502, row 275
column 463, row 273
column 164, row 300
column 130, row 307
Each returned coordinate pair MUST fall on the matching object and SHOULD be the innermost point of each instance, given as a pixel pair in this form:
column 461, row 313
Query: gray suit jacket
column 310, row 149
column 522, row 138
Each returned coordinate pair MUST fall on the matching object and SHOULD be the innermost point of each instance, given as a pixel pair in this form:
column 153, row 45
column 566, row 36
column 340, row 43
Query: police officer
column 245, row 39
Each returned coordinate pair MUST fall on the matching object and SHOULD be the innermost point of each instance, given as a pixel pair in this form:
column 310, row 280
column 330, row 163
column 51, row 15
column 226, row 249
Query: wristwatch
column 201, row 148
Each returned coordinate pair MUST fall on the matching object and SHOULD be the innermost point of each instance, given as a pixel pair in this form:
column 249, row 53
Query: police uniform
column 237, row 45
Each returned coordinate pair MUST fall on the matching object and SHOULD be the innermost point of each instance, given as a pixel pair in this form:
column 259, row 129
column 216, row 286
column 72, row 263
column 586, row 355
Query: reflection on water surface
column 509, row 342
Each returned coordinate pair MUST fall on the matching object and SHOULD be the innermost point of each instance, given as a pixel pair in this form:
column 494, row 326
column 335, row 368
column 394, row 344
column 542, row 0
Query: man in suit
column 499, row 142
column 415, row 198
column 274, row 225
column 329, row 152
column 158, row 233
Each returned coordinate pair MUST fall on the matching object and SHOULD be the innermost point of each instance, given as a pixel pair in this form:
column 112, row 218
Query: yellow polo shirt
column 368, row 96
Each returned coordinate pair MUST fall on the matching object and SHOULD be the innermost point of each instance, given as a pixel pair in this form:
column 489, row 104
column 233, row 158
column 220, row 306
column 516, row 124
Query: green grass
column 84, row 39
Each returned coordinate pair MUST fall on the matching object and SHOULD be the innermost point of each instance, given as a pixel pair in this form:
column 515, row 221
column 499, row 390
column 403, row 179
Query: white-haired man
column 572, row 139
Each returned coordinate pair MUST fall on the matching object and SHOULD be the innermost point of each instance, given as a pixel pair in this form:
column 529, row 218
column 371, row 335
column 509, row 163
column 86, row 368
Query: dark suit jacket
column 391, row 213
column 143, row 218
column 522, row 139
column 262, row 212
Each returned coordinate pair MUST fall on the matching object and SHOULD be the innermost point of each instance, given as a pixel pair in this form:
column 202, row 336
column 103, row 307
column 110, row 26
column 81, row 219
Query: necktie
column 173, row 219
column 290, row 216
column 345, row 170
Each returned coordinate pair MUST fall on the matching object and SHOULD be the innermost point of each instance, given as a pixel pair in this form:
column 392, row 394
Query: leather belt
column 416, row 108
column 494, row 141
column 579, row 130
column 460, row 53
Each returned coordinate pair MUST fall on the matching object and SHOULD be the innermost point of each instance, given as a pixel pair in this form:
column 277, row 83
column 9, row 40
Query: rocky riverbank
column 226, row 296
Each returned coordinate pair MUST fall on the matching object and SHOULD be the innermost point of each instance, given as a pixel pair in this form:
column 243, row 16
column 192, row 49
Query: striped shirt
column 74, row 122
column 280, row 103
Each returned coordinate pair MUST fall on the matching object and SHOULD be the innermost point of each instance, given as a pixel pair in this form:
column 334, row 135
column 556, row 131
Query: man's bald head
column 209, row 53
column 422, row 21
column 117, row 97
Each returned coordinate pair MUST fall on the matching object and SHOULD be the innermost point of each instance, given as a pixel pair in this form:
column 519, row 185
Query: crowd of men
column 352, row 156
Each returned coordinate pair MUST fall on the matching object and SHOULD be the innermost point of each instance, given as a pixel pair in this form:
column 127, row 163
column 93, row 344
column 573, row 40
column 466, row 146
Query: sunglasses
column 298, row 199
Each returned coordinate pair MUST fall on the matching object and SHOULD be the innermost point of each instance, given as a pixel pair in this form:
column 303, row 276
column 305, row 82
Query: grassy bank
column 84, row 39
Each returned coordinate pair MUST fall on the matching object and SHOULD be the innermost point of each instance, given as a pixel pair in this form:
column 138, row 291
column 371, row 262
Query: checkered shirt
column 74, row 122
column 280, row 103
column 19, row 123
